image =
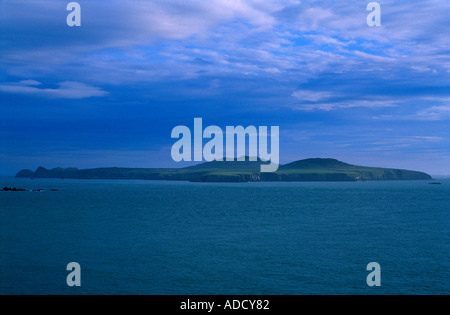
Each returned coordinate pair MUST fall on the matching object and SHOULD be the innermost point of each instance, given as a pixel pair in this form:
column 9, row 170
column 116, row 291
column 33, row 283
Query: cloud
column 373, row 104
column 28, row 83
column 438, row 112
column 433, row 113
column 125, row 41
column 334, row 100
column 285, row 42
column 327, row 40
column 122, row 23
column 312, row 96
column 68, row 90
column 428, row 138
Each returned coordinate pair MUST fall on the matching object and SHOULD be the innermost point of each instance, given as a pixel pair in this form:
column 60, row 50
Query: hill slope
column 303, row 170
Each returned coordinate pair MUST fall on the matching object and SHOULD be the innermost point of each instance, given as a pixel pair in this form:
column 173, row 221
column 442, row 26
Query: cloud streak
column 67, row 90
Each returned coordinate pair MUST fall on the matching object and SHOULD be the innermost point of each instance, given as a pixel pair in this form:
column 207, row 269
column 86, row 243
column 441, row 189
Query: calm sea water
column 144, row 237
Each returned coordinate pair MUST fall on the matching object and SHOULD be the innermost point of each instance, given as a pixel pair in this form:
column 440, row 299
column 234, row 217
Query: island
column 309, row 170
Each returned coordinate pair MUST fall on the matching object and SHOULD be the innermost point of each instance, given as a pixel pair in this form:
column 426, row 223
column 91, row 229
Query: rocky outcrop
column 12, row 189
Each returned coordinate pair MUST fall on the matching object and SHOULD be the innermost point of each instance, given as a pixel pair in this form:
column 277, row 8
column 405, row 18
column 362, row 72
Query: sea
column 181, row 238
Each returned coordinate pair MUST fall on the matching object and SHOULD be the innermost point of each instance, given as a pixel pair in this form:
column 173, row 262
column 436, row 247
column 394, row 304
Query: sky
column 110, row 92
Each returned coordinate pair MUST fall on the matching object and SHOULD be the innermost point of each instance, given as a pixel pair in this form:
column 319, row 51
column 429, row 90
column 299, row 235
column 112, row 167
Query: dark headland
column 218, row 171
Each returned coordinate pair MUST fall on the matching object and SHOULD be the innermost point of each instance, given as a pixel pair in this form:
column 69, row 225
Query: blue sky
column 109, row 93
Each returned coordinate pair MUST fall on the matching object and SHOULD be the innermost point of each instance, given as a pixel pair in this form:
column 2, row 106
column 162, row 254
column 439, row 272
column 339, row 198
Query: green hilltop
column 246, row 171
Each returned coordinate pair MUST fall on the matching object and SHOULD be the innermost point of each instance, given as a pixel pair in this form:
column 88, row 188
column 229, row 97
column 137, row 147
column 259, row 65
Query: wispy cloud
column 328, row 101
column 312, row 96
column 433, row 113
column 343, row 104
column 68, row 89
